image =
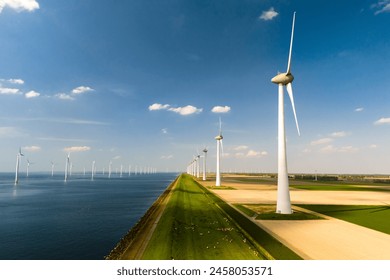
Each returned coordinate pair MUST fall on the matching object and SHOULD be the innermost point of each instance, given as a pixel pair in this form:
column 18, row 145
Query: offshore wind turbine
column 283, row 205
column 109, row 169
column 92, row 170
column 28, row 166
column 67, row 165
column 18, row 157
column 52, row 169
column 219, row 138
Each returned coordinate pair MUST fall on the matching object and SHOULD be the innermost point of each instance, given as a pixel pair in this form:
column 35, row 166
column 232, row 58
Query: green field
column 193, row 227
column 320, row 187
column 374, row 217
column 196, row 224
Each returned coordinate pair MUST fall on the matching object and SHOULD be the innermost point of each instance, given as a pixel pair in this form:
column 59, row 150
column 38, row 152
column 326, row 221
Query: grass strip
column 375, row 217
column 338, row 188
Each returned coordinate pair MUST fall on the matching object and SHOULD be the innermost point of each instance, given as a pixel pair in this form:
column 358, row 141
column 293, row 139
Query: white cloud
column 339, row 134
column 359, row 109
column 373, row 146
column 116, row 157
column 186, row 110
column 321, row 141
column 220, row 109
column 167, row 157
column 332, row 149
column 382, row 121
column 268, row 15
column 241, row 148
column 32, row 148
column 253, row 153
column 64, row 96
column 19, row 5
column 157, row 106
column 32, row 94
column 383, row 6
column 77, row 149
column 81, row 90
column 10, row 132
column 164, row 131
column 16, row 81
column 9, row 91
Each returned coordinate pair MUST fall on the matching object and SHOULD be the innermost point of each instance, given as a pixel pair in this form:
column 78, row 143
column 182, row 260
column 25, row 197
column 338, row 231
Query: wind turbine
column 219, row 148
column 204, row 163
column 67, row 165
column 18, row 155
column 283, row 205
column 109, row 169
column 52, row 169
column 92, row 170
column 28, row 166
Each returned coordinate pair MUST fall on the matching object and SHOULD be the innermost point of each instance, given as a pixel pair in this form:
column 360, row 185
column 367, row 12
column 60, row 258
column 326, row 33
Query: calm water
column 45, row 218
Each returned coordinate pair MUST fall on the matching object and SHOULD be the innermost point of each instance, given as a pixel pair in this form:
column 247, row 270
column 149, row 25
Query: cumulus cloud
column 64, row 96
column 253, row 153
column 383, row 6
column 241, row 148
column 332, row 149
column 321, row 141
column 32, row 148
column 359, row 109
column 16, row 81
column 220, row 109
column 339, row 134
column 268, row 15
column 32, row 94
column 9, row 91
column 19, row 5
column 77, row 149
column 164, row 131
column 186, row 110
column 81, row 89
column 382, row 121
column 157, row 106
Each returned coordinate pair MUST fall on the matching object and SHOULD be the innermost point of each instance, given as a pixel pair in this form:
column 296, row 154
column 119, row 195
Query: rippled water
column 45, row 218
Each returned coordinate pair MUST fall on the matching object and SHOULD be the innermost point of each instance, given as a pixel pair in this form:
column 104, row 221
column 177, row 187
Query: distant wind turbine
column 204, row 163
column 28, row 166
column 284, row 79
column 67, row 165
column 18, row 157
column 109, row 169
column 92, row 170
column 52, row 169
column 219, row 138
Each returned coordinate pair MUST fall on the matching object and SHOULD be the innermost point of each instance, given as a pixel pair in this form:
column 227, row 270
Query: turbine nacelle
column 219, row 137
column 283, row 78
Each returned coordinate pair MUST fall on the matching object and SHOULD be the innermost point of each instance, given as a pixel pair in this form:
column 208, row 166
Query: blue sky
column 135, row 82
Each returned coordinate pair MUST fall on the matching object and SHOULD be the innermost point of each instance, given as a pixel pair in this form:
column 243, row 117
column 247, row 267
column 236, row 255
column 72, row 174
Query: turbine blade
column 291, row 44
column 221, row 146
column 290, row 93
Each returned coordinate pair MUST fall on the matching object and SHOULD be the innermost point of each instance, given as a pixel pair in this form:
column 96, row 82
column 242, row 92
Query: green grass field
column 374, row 217
column 320, row 187
column 194, row 227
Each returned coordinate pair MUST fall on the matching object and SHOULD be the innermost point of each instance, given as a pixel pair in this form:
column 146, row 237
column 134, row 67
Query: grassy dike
column 196, row 224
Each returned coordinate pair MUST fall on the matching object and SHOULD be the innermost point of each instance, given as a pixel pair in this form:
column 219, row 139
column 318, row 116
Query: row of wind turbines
column 283, row 205
column 68, row 168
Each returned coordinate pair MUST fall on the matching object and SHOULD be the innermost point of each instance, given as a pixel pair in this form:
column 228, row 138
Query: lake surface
column 45, row 218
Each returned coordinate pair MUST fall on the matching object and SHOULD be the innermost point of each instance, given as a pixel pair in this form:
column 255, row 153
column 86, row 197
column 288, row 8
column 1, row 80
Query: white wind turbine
column 92, row 170
column 283, row 205
column 67, row 165
column 18, row 157
column 219, row 149
column 204, row 163
column 28, row 166
column 52, row 168
column 109, row 169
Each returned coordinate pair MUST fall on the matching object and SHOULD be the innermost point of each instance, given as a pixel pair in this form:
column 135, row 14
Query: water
column 45, row 218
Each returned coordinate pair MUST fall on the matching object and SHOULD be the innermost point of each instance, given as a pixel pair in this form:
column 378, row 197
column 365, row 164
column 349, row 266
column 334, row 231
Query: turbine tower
column 52, row 169
column 18, row 156
column 204, row 163
column 28, row 166
column 92, row 170
column 219, row 148
column 67, row 165
column 283, row 205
